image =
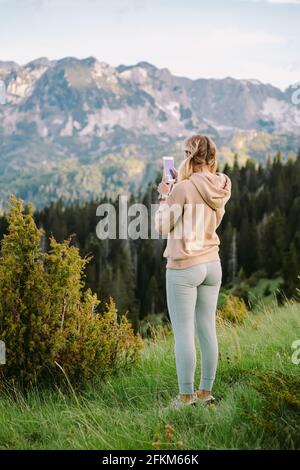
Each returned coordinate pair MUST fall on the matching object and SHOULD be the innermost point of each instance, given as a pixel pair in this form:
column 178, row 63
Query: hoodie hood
column 215, row 188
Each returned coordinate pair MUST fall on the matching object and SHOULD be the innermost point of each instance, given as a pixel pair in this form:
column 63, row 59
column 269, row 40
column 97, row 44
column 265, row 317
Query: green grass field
column 130, row 411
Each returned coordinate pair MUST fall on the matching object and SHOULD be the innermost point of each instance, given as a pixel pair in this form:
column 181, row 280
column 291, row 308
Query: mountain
column 75, row 128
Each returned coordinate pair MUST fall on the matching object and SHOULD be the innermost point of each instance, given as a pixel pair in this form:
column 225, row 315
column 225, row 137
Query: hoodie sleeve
column 170, row 211
column 220, row 211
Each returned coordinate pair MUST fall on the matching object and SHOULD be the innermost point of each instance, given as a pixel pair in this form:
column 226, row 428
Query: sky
column 245, row 39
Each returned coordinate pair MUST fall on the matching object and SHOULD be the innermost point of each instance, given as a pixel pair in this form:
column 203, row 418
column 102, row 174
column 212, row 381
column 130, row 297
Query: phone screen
column 169, row 169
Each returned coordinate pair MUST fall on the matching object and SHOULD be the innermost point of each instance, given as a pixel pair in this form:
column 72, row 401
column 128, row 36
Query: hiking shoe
column 207, row 401
column 178, row 403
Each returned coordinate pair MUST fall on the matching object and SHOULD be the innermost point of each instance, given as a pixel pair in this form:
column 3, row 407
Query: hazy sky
column 194, row 38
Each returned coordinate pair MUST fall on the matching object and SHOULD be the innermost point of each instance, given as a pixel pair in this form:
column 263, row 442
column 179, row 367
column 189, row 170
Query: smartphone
column 169, row 169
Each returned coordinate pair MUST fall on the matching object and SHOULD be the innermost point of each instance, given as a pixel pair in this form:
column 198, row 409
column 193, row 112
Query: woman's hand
column 175, row 174
column 164, row 187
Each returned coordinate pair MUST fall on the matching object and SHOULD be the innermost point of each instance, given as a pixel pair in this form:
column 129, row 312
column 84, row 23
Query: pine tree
column 273, row 243
column 48, row 320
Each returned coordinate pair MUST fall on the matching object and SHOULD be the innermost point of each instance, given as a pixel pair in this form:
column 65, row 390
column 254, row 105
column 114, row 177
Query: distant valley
column 75, row 129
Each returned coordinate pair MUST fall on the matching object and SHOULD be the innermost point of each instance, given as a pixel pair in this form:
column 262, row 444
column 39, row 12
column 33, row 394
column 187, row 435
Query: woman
column 194, row 272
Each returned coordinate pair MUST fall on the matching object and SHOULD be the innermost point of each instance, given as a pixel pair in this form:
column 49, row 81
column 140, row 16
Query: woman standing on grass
column 193, row 208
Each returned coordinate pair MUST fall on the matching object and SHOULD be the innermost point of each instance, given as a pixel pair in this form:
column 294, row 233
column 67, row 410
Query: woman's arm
column 170, row 208
column 167, row 215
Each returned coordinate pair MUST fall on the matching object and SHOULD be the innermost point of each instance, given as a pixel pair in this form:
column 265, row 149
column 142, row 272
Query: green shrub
column 255, row 277
column 279, row 418
column 153, row 324
column 231, row 308
column 222, row 299
column 49, row 323
column 267, row 290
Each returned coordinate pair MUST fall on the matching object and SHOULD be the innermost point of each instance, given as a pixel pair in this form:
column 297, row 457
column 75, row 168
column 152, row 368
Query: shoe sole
column 207, row 402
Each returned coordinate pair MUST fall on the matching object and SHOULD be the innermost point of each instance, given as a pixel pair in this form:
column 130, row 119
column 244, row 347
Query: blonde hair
column 200, row 150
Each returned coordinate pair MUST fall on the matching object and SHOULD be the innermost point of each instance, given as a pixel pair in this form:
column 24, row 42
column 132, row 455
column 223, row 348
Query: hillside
column 253, row 412
column 79, row 128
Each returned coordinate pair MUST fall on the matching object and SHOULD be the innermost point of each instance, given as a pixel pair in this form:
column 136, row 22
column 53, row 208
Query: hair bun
column 200, row 150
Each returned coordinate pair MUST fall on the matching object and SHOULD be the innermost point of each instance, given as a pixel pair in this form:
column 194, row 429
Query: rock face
column 76, row 128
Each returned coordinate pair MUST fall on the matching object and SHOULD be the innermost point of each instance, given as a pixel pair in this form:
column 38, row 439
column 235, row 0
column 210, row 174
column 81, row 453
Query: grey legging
column 192, row 295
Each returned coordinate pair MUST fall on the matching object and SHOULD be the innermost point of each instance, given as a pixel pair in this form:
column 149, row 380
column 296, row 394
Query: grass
column 129, row 411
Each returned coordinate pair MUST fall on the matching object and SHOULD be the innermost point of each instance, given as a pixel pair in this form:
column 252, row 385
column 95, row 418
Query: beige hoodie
column 190, row 215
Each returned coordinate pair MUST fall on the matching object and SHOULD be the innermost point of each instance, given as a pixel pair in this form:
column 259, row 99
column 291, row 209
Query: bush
column 155, row 324
column 255, row 277
column 49, row 323
column 232, row 308
column 267, row 290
